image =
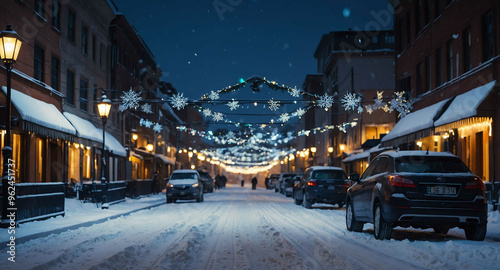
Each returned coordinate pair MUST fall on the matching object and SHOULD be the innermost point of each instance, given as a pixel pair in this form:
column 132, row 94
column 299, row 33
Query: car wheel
column 381, row 229
column 475, row 232
column 350, row 220
column 296, row 201
column 441, row 230
column 170, row 200
column 305, row 203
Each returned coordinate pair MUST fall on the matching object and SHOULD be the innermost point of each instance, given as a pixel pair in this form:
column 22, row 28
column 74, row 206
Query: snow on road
column 240, row 228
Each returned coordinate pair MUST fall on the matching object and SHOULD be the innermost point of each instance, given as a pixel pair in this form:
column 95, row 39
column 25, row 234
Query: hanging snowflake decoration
column 400, row 104
column 369, row 109
column 217, row 116
column 273, row 105
column 360, row 109
column 284, row 117
column 233, row 105
column 122, row 107
column 325, row 101
column 300, row 112
column 295, row 92
column 379, row 102
column 146, row 123
column 179, row 101
column 230, row 135
column 146, row 108
column 214, row 95
column 350, row 101
column 207, row 112
column 157, row 128
column 130, row 99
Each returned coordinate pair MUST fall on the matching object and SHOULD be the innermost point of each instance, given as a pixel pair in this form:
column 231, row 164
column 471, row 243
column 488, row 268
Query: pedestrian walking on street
column 254, row 182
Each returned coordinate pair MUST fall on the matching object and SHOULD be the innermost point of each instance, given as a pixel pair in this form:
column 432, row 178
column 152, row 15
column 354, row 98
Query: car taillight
column 346, row 184
column 312, row 183
column 399, row 181
column 476, row 184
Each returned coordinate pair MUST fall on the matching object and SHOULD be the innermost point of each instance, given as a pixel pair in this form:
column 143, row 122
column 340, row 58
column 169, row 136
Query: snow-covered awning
column 84, row 128
column 465, row 105
column 41, row 117
column 165, row 159
column 133, row 154
column 366, row 154
column 414, row 126
column 112, row 144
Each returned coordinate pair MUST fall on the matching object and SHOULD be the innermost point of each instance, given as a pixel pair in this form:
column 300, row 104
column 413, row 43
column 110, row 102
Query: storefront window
column 74, row 163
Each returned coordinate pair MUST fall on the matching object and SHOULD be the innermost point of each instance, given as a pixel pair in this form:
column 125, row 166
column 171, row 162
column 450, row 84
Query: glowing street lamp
column 103, row 108
column 10, row 46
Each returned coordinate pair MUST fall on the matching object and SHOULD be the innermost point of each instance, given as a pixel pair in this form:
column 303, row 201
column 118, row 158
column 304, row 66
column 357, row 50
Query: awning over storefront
column 40, row 117
column 366, row 154
column 465, row 105
column 84, row 128
column 112, row 144
column 133, row 154
column 165, row 159
column 414, row 126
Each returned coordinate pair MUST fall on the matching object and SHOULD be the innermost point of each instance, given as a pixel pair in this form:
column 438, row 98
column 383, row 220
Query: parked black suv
column 321, row 184
column 418, row 189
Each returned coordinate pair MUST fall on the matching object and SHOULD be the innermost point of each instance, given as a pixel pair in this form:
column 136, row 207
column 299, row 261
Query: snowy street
column 240, row 228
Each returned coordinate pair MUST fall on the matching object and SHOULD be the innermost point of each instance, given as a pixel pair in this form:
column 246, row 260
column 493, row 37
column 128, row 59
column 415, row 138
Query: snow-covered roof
column 165, row 159
column 39, row 112
column 396, row 154
column 415, row 121
column 365, row 154
column 84, row 128
column 112, row 144
column 465, row 105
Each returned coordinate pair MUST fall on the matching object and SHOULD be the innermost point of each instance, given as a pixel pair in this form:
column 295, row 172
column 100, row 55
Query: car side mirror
column 354, row 177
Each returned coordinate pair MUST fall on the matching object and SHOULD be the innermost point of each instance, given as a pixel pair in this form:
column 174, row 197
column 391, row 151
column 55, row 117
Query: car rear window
column 175, row 176
column 329, row 174
column 430, row 164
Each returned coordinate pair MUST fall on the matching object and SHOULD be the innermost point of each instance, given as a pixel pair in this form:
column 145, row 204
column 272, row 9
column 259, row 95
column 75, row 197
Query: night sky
column 200, row 49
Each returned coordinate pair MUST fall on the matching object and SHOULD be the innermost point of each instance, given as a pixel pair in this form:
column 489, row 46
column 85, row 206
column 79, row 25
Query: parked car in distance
column 280, row 187
column 418, row 189
column 290, row 181
column 207, row 180
column 273, row 178
column 321, row 184
column 184, row 185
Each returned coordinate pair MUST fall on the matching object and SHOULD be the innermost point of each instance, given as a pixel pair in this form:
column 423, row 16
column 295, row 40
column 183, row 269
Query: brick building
column 448, row 60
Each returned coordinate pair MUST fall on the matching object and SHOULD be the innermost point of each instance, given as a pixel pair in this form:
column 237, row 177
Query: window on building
column 71, row 25
column 408, row 27
column 404, row 84
column 437, row 7
column 102, row 54
column 418, row 15
column 419, row 78
column 85, row 45
column 38, row 63
column 449, row 60
column 94, row 47
column 70, row 87
column 428, row 74
column 374, row 39
column 84, row 84
column 56, row 14
column 487, row 36
column 389, row 38
column 467, row 41
column 39, row 7
column 438, row 69
column 427, row 12
column 40, row 168
column 54, row 73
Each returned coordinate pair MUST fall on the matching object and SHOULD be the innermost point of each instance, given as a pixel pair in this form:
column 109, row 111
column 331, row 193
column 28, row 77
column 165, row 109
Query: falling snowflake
column 130, row 99
column 217, row 116
column 179, row 101
column 214, row 95
column 146, row 123
column 350, row 101
column 295, row 92
column 157, row 128
column 207, row 112
column 284, row 117
column 233, row 105
column 146, row 108
column 300, row 112
column 325, row 101
column 273, row 105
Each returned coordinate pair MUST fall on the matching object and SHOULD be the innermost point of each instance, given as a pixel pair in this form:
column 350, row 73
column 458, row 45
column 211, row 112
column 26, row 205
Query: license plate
column 331, row 187
column 442, row 190
column 183, row 193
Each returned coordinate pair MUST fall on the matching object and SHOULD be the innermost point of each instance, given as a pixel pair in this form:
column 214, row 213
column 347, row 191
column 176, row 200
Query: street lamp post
column 10, row 45
column 104, row 107
column 313, row 153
